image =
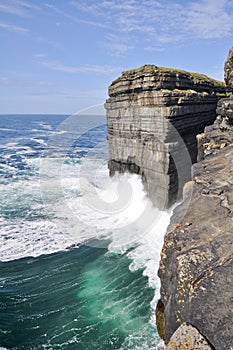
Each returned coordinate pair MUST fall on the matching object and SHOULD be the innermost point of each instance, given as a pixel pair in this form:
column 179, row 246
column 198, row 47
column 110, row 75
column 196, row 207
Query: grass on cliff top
column 152, row 69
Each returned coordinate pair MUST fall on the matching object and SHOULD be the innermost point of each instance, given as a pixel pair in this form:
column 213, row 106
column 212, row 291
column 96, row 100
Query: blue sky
column 60, row 56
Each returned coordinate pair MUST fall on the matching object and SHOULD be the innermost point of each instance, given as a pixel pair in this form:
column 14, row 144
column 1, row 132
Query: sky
column 60, row 56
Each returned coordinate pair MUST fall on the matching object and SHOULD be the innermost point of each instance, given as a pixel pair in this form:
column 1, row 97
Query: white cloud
column 209, row 19
column 154, row 49
column 87, row 68
column 13, row 28
column 18, row 7
column 162, row 21
column 118, row 49
column 74, row 18
column 5, row 81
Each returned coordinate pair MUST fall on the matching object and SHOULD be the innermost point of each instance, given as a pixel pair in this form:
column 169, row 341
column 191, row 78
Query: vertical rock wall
column 151, row 113
column 196, row 267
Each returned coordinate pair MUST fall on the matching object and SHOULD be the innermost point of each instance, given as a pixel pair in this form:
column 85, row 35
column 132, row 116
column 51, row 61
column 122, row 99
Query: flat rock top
column 149, row 77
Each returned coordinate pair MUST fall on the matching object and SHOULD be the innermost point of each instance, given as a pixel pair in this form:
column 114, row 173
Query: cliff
column 196, row 267
column 160, row 121
column 152, row 112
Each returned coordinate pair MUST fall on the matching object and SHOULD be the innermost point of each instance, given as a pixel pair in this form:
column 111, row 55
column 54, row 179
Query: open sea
column 79, row 252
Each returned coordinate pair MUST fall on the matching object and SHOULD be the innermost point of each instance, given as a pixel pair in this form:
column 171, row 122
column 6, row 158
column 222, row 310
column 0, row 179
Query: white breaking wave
column 74, row 220
column 81, row 208
column 40, row 141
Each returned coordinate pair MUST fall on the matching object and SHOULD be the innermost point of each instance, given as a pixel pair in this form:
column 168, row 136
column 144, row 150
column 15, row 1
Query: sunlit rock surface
column 196, row 265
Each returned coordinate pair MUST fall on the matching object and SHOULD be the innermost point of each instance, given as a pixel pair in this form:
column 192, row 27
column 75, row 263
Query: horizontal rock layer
column 151, row 77
column 153, row 117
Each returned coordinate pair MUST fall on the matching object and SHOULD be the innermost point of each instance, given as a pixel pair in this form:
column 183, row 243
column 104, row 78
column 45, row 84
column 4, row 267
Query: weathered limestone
column 228, row 69
column 187, row 337
column 196, row 266
column 146, row 108
column 220, row 134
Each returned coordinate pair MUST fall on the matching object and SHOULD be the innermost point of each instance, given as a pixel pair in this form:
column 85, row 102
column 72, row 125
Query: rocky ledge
column 152, row 113
column 196, row 268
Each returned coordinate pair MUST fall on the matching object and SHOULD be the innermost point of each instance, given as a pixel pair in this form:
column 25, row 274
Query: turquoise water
column 82, row 299
column 81, row 281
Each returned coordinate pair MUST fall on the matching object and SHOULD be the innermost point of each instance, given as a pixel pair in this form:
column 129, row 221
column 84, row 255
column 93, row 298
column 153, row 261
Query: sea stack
column 153, row 117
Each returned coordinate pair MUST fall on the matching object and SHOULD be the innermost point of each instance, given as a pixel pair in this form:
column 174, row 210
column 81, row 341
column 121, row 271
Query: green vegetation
column 148, row 69
column 231, row 256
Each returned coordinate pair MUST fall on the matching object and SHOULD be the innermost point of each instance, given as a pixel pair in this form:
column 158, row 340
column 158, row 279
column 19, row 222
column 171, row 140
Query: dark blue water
column 58, row 289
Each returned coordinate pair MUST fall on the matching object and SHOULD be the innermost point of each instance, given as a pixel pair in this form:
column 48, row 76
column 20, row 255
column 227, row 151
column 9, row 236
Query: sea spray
column 71, row 291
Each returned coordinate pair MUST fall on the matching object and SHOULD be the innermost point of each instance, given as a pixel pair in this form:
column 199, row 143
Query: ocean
column 79, row 252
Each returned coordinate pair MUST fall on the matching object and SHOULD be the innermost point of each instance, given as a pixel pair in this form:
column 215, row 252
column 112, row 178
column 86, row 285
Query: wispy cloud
column 210, row 19
column 6, row 81
column 87, row 68
column 18, row 7
column 154, row 49
column 118, row 49
column 162, row 20
column 74, row 18
column 13, row 28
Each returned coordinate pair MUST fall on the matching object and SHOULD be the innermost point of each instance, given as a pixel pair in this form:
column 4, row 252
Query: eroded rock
column 228, row 69
column 220, row 134
column 153, row 117
column 187, row 337
column 196, row 266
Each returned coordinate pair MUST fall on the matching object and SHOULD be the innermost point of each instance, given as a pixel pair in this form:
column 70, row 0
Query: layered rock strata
column 196, row 268
column 153, row 117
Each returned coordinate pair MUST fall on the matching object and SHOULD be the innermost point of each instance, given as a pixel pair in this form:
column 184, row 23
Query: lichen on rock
column 187, row 337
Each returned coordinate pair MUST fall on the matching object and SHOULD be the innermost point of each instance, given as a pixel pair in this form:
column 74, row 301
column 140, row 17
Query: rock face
column 153, row 117
column 186, row 337
column 228, row 69
column 196, row 268
column 220, row 134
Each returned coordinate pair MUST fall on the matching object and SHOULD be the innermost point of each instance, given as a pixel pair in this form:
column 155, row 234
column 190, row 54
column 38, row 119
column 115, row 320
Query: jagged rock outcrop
column 151, row 113
column 220, row 134
column 196, row 268
column 228, row 69
column 197, row 265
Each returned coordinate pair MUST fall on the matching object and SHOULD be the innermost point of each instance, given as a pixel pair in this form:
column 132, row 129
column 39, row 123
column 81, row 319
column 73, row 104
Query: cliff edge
column 196, row 267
